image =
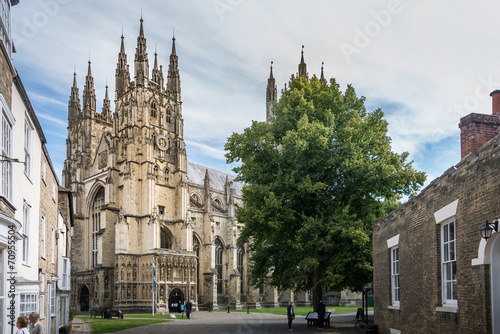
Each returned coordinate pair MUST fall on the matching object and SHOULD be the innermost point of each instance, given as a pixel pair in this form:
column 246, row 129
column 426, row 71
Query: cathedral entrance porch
column 175, row 300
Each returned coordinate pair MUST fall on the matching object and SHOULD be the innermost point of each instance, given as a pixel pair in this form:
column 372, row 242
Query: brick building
column 433, row 273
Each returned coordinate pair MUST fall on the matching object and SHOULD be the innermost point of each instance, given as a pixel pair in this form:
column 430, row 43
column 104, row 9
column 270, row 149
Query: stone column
column 234, row 290
column 210, row 290
column 253, row 298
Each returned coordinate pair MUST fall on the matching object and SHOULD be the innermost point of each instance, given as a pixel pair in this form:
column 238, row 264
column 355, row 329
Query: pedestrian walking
column 320, row 309
column 36, row 326
column 189, row 308
column 290, row 315
column 22, row 325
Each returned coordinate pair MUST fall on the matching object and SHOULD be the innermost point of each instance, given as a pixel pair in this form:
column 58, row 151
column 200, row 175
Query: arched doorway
column 175, row 300
column 495, row 284
column 84, row 299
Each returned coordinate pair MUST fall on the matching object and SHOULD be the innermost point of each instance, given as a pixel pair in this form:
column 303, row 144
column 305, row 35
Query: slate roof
column 196, row 174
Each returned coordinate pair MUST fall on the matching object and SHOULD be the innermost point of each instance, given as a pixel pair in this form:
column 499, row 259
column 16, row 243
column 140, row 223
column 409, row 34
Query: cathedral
column 152, row 229
column 143, row 213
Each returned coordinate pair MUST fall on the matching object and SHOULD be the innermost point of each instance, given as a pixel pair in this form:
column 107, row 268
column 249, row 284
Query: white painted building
column 34, row 232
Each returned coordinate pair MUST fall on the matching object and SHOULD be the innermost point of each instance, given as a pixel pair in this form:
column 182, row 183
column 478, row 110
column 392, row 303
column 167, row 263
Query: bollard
column 228, row 308
column 248, row 309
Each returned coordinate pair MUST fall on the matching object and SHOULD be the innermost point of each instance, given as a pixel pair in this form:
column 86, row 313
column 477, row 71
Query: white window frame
column 65, row 273
column 393, row 245
column 28, row 131
column 43, row 233
column 28, row 302
column 53, row 244
column 445, row 216
column 5, row 27
column 395, row 288
column 44, row 169
column 449, row 263
column 3, row 281
column 52, row 297
column 54, row 190
column 42, row 296
column 26, row 232
column 6, row 149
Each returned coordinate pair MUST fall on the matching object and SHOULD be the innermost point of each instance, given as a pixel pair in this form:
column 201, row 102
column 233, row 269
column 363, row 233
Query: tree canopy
column 317, row 177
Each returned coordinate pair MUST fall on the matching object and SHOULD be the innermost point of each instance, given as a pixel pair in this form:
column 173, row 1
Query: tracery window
column 219, row 250
column 166, row 176
column 241, row 254
column 96, row 222
column 169, row 115
column 153, row 109
column 196, row 249
column 165, row 240
column 155, row 147
column 156, row 172
column 195, row 200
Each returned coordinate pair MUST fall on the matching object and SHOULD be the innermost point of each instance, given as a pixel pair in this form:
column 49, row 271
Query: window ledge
column 393, row 307
column 447, row 309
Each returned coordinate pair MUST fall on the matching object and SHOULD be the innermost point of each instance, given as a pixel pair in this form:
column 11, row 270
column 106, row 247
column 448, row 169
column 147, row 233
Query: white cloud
column 419, row 64
column 52, row 119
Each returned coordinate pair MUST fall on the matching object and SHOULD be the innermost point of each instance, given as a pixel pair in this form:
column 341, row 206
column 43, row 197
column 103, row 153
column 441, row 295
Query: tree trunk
column 317, row 290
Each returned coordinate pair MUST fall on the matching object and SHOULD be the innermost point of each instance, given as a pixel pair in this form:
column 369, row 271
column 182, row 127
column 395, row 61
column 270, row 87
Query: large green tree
column 317, row 177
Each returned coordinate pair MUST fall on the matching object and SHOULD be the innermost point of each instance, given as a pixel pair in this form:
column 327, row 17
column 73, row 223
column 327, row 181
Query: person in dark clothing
column 321, row 314
column 189, row 308
column 290, row 315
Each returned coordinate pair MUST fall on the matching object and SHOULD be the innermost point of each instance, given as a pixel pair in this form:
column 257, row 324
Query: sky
column 425, row 63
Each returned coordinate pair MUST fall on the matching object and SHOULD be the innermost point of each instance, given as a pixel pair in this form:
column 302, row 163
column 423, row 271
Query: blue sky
column 426, row 64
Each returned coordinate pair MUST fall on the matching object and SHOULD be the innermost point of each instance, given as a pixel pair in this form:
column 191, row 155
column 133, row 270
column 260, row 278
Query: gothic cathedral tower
column 128, row 176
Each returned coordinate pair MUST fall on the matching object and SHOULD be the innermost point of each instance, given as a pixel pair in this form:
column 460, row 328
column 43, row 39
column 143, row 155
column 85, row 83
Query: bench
column 106, row 312
column 312, row 319
column 94, row 311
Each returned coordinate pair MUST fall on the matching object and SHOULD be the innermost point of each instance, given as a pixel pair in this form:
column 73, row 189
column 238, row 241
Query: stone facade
column 141, row 207
column 433, row 273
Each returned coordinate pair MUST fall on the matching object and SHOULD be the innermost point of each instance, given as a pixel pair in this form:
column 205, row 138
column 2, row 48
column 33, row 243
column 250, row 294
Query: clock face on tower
column 162, row 142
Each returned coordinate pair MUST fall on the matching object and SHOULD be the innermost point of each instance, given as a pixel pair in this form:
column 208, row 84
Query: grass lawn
column 86, row 316
column 300, row 310
column 100, row 326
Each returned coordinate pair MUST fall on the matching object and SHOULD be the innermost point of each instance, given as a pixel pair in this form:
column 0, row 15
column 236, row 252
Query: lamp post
column 488, row 228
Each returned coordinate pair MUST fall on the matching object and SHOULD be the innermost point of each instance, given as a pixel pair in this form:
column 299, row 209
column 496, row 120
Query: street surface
column 243, row 323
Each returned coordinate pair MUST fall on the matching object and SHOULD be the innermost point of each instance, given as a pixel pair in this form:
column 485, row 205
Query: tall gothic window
column 196, row 249
column 165, row 240
column 165, row 176
column 153, row 109
column 219, row 250
column 155, row 146
column 169, row 115
column 96, row 222
column 241, row 254
column 156, row 172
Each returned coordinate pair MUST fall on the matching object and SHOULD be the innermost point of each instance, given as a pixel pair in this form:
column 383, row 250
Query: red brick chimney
column 477, row 129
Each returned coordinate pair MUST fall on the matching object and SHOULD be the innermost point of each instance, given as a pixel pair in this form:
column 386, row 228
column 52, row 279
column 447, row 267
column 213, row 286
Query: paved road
column 242, row 323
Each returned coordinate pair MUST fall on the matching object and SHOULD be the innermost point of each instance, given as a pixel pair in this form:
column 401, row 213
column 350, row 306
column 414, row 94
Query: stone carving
column 102, row 161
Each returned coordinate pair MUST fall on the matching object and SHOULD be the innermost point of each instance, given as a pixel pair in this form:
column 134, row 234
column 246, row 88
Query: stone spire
column 122, row 76
column 89, row 95
column 302, row 66
column 322, row 77
column 271, row 95
column 141, row 64
column 106, row 106
column 74, row 107
column 173, row 78
column 157, row 73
